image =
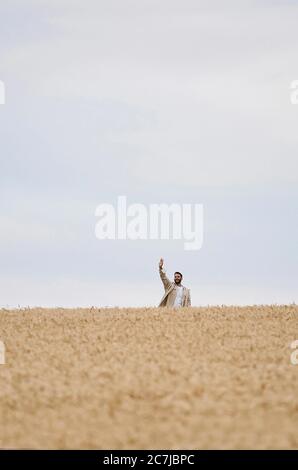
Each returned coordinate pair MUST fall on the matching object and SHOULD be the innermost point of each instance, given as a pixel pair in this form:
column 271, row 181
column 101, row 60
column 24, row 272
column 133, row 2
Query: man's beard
column 177, row 282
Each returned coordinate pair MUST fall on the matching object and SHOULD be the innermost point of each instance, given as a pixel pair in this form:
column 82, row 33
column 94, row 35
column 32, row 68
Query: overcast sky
column 162, row 101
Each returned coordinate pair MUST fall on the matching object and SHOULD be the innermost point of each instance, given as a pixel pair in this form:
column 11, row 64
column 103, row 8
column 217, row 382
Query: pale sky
column 180, row 101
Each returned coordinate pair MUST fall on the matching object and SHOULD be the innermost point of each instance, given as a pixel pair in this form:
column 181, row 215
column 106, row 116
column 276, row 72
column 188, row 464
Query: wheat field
column 196, row 378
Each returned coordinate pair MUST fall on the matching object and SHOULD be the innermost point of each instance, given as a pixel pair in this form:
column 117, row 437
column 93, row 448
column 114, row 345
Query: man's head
column 177, row 278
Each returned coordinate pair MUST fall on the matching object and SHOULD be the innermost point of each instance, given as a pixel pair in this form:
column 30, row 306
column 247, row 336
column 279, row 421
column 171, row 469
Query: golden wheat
column 197, row 378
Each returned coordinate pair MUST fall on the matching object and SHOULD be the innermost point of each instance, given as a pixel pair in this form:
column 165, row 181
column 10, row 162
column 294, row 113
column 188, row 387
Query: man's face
column 177, row 278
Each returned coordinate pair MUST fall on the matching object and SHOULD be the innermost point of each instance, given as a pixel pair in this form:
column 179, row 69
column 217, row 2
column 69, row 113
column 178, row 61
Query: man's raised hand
column 161, row 263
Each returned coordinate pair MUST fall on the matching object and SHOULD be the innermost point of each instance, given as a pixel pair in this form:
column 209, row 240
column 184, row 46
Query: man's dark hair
column 177, row 272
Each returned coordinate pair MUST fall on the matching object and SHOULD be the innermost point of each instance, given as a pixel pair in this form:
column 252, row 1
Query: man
column 176, row 295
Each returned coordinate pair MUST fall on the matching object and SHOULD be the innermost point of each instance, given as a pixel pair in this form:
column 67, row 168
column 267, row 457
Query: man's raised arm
column 165, row 280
